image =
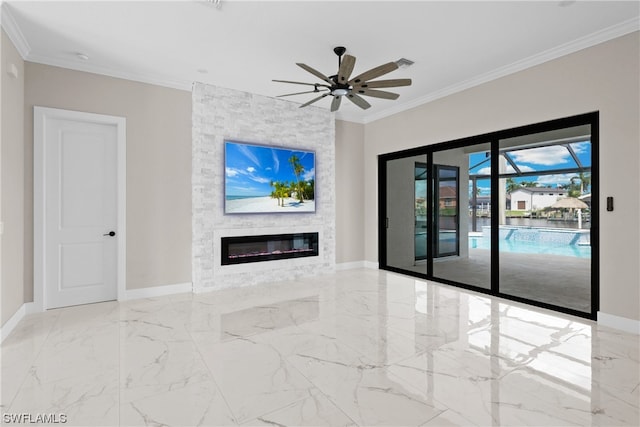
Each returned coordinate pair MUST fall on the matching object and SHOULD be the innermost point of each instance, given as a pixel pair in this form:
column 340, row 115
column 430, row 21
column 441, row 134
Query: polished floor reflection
column 361, row 347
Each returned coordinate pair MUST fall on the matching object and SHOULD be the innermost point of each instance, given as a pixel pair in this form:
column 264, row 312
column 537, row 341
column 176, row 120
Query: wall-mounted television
column 268, row 179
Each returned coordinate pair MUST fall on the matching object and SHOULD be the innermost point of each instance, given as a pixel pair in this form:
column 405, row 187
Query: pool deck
column 552, row 279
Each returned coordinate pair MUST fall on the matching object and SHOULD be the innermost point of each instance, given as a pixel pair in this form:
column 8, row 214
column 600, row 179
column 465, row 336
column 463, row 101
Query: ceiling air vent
column 404, row 62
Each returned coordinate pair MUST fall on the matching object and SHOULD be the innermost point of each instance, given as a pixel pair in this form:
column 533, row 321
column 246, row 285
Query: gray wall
column 220, row 114
column 601, row 78
column 12, row 200
column 158, row 166
column 349, row 195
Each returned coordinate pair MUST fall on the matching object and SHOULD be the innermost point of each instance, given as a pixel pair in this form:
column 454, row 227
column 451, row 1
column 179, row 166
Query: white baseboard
column 356, row 264
column 158, row 291
column 13, row 321
column 620, row 323
column 349, row 265
column 372, row 265
column 31, row 308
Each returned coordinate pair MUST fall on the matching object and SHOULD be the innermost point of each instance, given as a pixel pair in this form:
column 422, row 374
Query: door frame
column 40, row 117
column 436, row 210
column 426, row 170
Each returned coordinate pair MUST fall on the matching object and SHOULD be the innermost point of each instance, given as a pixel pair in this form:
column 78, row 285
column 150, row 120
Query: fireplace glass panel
column 244, row 249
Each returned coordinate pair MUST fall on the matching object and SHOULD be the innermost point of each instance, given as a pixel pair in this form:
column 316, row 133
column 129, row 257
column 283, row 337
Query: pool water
column 524, row 247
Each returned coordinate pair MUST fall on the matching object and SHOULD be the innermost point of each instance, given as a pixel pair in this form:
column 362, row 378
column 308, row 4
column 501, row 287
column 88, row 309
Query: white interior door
column 80, row 196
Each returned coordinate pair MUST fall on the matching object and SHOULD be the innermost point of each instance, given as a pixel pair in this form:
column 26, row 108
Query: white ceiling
column 243, row 45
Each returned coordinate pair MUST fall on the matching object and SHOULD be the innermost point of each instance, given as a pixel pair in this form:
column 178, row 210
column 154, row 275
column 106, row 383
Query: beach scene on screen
column 265, row 179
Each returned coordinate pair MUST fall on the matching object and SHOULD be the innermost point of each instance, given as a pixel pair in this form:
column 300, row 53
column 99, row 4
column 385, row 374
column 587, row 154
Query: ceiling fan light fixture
column 339, row 92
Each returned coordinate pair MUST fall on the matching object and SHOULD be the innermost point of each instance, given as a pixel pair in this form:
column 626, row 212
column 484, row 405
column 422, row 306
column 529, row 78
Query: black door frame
column 436, row 217
column 425, row 166
column 591, row 119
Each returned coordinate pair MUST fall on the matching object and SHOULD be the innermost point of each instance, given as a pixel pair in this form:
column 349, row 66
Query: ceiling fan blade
column 316, row 73
column 299, row 83
column 298, row 93
column 358, row 101
column 376, row 93
column 346, row 67
column 314, row 100
column 374, row 72
column 385, row 83
column 335, row 104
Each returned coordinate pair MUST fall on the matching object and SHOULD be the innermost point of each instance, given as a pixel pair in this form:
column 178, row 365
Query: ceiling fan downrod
column 339, row 89
column 339, row 50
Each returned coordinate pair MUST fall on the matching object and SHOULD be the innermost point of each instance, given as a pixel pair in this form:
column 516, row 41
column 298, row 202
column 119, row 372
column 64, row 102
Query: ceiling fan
column 341, row 85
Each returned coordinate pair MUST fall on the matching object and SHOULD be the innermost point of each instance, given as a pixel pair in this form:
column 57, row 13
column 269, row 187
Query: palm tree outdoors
column 585, row 181
column 529, row 184
column 511, row 185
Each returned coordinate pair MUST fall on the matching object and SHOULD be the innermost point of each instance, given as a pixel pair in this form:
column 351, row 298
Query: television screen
column 267, row 179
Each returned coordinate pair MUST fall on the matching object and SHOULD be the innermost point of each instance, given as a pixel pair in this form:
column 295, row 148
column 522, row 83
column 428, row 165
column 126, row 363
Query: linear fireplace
column 244, row 249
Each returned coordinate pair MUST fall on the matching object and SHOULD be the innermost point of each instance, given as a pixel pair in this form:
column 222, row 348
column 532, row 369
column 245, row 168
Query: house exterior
column 448, row 197
column 534, row 198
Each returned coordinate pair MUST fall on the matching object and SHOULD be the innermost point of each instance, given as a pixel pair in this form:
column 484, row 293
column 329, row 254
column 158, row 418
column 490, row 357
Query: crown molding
column 20, row 42
column 12, row 29
column 350, row 117
column 610, row 33
column 18, row 39
column 109, row 72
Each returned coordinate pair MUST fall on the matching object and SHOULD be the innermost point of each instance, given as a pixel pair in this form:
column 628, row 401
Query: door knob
column 111, row 233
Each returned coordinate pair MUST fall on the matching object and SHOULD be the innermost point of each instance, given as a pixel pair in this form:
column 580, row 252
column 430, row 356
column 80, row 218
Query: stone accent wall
column 221, row 114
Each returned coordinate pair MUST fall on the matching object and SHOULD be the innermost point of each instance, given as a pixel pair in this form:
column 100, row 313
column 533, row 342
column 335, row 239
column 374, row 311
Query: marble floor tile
column 150, row 366
column 254, row 378
column 368, row 335
column 20, row 350
column 77, row 355
column 369, row 394
column 83, row 401
column 360, row 347
column 314, row 410
column 193, row 404
column 562, row 402
column 448, row 418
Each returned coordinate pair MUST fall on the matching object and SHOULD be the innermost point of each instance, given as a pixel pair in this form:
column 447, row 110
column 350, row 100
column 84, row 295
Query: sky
column 249, row 169
column 536, row 160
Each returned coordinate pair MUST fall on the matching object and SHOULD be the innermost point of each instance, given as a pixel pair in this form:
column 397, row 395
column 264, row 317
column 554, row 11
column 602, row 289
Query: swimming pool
column 529, row 247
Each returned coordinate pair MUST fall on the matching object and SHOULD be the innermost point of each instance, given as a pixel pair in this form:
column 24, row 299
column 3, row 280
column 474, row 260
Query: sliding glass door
column 462, row 221
column 545, row 234
column 446, row 208
column 420, row 230
column 512, row 213
column 405, row 221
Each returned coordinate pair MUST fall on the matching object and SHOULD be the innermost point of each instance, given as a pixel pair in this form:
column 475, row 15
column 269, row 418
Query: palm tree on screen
column 297, row 171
